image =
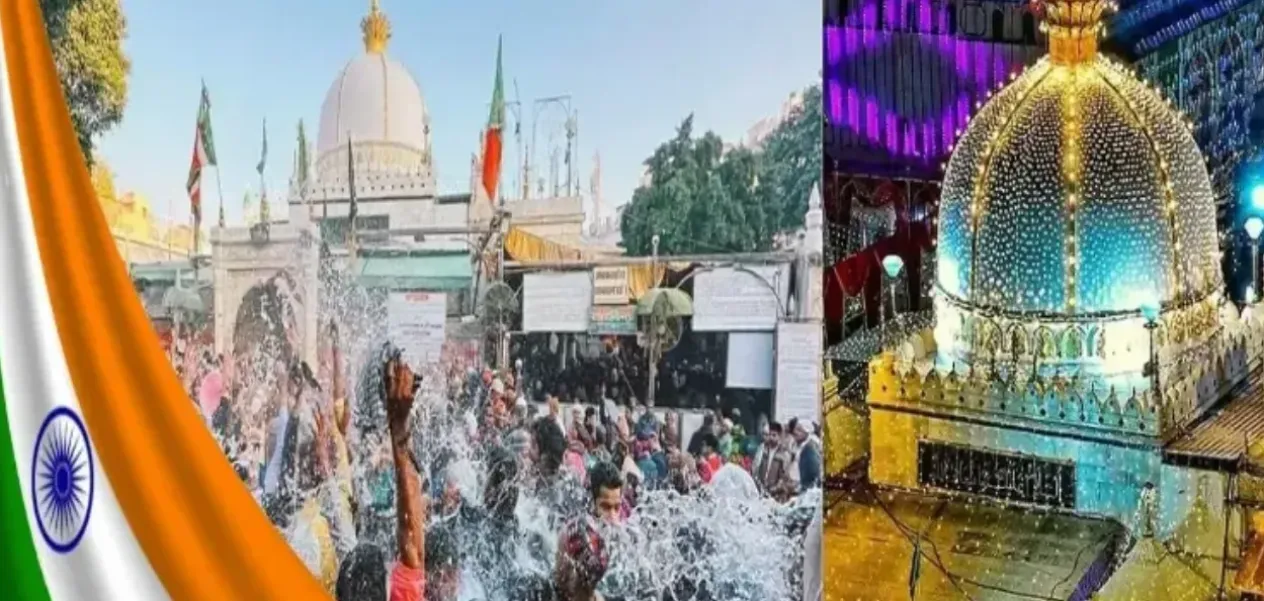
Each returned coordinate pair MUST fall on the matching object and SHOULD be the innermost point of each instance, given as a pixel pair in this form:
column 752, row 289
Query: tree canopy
column 87, row 42
column 703, row 198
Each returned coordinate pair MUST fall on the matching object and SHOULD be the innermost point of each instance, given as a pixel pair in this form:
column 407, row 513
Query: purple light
column 833, row 46
column 835, row 102
column 920, row 126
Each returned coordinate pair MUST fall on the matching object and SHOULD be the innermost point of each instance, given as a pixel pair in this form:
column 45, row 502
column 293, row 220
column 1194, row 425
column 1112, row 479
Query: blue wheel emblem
column 63, row 479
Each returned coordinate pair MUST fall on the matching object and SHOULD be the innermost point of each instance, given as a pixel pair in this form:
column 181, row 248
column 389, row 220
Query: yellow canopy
column 526, row 247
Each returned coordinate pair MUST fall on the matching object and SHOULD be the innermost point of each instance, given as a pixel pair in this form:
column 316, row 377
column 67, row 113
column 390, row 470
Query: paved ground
column 992, row 553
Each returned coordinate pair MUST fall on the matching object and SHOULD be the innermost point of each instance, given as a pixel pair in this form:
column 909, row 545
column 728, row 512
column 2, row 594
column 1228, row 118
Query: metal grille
column 1003, row 476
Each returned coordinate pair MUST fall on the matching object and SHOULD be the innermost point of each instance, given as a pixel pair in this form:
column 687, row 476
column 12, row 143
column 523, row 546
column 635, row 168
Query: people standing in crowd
column 763, row 461
column 376, row 514
column 807, row 456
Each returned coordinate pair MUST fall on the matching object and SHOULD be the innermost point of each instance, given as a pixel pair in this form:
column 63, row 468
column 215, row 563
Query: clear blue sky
column 634, row 70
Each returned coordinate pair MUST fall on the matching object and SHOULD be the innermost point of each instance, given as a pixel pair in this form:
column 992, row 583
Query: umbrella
column 677, row 303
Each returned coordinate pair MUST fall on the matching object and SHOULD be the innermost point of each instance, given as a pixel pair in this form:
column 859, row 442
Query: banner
column 556, row 301
column 749, row 362
column 799, row 366
column 610, row 286
column 731, row 299
column 613, row 321
column 416, row 322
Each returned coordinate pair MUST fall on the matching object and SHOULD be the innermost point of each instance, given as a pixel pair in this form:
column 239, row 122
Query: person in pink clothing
column 573, row 460
column 211, row 392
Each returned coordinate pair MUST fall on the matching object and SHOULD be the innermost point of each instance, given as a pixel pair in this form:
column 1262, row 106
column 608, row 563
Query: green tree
column 703, row 199
column 87, row 41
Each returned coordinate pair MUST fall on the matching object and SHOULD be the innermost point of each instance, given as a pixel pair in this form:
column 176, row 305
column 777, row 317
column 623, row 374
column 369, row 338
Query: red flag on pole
column 492, row 140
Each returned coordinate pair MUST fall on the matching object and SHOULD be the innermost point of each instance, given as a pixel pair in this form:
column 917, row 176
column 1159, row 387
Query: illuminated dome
column 1076, row 191
column 378, row 105
column 1076, row 208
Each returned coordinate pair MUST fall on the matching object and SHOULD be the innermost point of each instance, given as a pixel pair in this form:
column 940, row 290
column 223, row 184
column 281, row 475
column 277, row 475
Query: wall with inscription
column 1108, row 477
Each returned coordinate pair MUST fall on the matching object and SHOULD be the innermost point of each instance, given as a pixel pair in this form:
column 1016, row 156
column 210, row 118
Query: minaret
column 814, row 248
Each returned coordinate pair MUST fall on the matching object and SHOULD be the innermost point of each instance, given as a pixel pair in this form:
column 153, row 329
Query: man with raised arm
column 408, row 578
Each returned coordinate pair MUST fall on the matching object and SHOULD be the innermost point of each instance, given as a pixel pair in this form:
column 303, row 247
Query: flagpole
column 219, row 191
column 352, row 209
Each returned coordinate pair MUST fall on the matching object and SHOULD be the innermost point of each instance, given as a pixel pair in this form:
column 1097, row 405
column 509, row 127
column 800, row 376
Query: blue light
column 1150, row 312
column 1257, row 197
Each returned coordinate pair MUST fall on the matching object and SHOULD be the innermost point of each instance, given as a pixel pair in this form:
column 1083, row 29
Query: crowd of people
column 446, row 483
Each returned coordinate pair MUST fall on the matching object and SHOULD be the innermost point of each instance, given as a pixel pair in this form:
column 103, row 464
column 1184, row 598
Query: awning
column 167, row 271
column 525, row 247
column 530, row 248
column 1222, row 437
column 436, row 272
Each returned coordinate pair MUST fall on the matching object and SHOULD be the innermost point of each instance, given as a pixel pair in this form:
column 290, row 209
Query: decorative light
column 1150, row 312
column 1254, row 226
column 892, row 265
column 1257, row 197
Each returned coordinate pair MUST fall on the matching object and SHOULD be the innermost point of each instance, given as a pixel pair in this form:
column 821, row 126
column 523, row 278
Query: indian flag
column 111, row 487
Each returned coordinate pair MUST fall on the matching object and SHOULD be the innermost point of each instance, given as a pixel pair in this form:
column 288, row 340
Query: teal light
column 1257, row 197
column 1150, row 312
column 892, row 264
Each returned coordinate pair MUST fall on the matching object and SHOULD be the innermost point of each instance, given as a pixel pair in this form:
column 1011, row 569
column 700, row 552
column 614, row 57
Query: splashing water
column 723, row 542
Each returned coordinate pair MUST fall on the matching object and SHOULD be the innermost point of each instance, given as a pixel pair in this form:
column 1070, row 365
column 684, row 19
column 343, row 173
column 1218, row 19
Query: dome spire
column 376, row 28
column 1073, row 27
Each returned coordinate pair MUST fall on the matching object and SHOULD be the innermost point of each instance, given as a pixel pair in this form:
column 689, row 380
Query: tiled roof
column 1223, row 435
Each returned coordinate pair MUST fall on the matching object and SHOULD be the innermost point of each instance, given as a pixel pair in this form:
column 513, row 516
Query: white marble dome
column 376, row 104
column 374, row 100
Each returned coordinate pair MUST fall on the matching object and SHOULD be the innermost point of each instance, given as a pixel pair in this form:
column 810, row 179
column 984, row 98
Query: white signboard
column 729, row 299
column 416, row 322
column 557, row 301
column 798, row 371
column 610, row 286
column 749, row 362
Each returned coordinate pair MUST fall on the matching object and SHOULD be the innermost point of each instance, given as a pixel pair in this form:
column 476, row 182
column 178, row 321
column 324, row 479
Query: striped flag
column 493, row 142
column 203, row 155
column 111, row 486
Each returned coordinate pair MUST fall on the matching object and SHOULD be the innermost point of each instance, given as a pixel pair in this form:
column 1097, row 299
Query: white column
column 814, row 247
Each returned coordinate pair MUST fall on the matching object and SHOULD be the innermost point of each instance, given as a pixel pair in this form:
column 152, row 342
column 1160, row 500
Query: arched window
column 952, row 20
column 998, row 25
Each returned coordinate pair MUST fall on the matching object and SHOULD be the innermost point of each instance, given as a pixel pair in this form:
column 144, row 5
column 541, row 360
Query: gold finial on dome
column 1073, row 27
column 376, row 28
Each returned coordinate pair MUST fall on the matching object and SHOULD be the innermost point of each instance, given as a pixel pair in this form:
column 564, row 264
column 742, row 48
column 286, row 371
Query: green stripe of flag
column 18, row 561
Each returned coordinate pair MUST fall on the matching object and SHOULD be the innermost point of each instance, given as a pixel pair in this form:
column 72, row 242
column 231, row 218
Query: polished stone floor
column 971, row 551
